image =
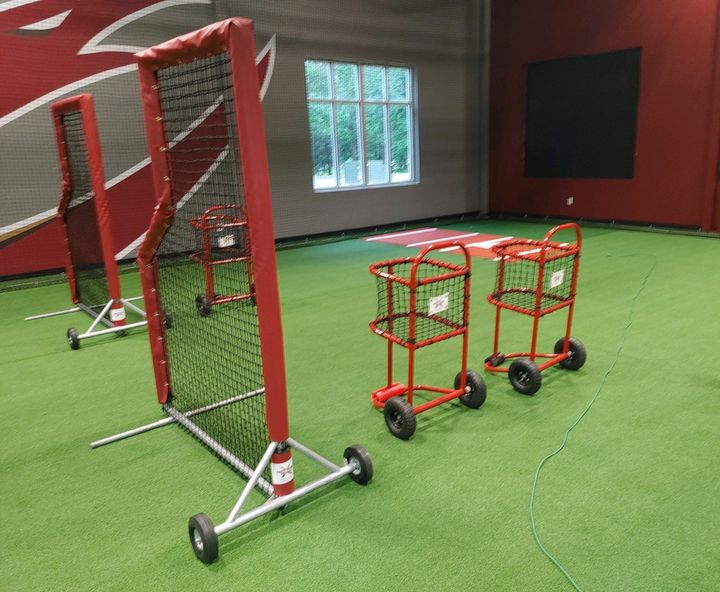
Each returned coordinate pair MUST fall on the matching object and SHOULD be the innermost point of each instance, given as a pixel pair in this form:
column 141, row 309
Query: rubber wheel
column 73, row 339
column 203, row 305
column 203, row 538
column 475, row 391
column 400, row 417
column 167, row 320
column 578, row 353
column 525, row 377
column 358, row 456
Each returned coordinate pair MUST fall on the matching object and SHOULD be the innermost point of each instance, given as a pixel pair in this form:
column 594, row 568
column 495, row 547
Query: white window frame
column 412, row 103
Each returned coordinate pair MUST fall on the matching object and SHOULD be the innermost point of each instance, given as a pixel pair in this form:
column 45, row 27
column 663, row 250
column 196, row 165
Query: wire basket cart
column 223, row 240
column 536, row 278
column 422, row 301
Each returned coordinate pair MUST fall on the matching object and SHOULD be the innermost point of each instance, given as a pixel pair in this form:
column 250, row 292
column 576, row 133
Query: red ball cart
column 536, row 278
column 422, row 301
column 223, row 240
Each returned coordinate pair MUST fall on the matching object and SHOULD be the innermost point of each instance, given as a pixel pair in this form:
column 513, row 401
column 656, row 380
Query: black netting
column 518, row 273
column 213, row 347
column 439, row 305
column 81, row 220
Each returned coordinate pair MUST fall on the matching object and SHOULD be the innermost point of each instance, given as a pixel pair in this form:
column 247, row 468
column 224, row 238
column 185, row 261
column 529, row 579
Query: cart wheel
column 203, row 305
column 167, row 320
column 358, row 456
column 73, row 339
column 203, row 538
column 525, row 377
column 475, row 391
column 400, row 417
column 578, row 353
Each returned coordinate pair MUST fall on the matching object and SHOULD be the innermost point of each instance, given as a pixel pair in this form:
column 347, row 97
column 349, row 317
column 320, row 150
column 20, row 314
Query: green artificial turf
column 630, row 504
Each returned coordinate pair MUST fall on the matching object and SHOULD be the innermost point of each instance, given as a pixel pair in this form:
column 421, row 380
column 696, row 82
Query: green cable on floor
column 584, row 412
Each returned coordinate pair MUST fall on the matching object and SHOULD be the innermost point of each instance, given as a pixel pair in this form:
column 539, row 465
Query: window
column 361, row 124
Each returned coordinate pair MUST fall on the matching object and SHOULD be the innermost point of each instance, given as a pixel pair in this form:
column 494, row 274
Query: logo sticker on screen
column 438, row 304
column 226, row 241
column 556, row 279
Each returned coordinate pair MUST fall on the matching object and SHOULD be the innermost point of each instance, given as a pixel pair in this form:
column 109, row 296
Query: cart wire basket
column 536, row 278
column 222, row 240
column 421, row 301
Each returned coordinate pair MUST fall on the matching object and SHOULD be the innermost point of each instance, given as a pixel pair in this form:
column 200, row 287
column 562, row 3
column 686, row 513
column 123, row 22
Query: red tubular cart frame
column 214, row 220
column 396, row 398
column 537, row 300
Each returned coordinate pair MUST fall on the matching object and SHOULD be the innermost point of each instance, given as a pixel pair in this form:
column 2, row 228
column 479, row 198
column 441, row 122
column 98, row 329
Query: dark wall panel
column 580, row 116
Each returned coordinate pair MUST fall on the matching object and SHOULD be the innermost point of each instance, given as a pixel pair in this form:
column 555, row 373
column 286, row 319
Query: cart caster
column 495, row 361
column 400, row 417
column 73, row 338
column 577, row 351
column 525, row 377
column 203, row 538
column 202, row 302
column 356, row 455
column 475, row 391
column 167, row 320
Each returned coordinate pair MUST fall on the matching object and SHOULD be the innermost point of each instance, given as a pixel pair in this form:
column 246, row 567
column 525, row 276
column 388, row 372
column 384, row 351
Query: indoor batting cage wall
column 91, row 50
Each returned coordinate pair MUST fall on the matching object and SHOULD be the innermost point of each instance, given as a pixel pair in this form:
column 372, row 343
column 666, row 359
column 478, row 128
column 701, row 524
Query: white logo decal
column 438, row 304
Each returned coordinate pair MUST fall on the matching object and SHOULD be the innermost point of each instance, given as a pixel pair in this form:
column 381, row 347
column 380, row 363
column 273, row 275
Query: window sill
column 365, row 187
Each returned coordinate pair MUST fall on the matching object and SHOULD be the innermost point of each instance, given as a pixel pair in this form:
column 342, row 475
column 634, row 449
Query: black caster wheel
column 203, row 538
column 167, row 320
column 475, row 389
column 525, row 377
column 400, row 417
column 73, row 338
column 577, row 351
column 202, row 303
column 357, row 456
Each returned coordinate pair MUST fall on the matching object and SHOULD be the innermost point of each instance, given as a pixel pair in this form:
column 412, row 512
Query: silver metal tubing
column 91, row 333
column 253, row 480
column 133, row 299
column 168, row 420
column 220, row 450
column 100, row 316
column 53, row 314
column 321, row 460
column 94, row 314
column 281, row 501
column 134, row 308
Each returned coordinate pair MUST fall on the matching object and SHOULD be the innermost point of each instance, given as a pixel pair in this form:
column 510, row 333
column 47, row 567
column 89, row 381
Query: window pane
column 348, row 134
column 374, row 83
column 399, row 84
column 323, row 147
column 375, row 143
column 400, row 170
column 317, row 79
column 346, row 84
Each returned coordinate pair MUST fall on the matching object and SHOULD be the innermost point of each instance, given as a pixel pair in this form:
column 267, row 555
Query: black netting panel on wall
column 213, row 344
column 81, row 219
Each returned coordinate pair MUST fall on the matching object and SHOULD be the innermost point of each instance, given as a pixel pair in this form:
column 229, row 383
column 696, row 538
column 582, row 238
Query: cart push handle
column 566, row 226
column 436, row 247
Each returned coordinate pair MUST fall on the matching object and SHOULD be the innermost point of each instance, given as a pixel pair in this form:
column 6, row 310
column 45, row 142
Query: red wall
column 677, row 134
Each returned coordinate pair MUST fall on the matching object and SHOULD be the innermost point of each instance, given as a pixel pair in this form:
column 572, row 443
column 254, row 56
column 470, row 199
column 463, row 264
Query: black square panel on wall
column 581, row 115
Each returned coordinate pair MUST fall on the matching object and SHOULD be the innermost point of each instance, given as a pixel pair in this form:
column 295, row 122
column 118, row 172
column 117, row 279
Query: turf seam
column 583, row 413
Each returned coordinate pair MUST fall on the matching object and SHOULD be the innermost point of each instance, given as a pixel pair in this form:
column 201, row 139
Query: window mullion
column 363, row 144
column 333, row 123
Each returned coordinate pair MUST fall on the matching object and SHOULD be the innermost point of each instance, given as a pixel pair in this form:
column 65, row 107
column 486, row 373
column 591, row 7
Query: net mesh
column 439, row 305
column 83, row 232
column 213, row 349
column 518, row 274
